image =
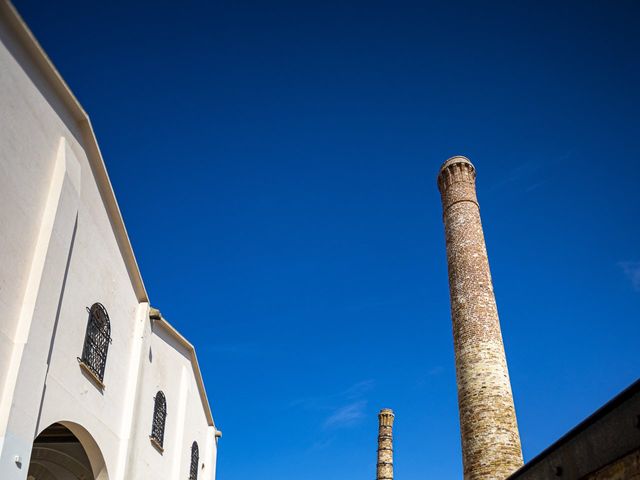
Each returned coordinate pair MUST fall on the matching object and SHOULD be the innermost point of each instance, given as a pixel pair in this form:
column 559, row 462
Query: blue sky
column 275, row 163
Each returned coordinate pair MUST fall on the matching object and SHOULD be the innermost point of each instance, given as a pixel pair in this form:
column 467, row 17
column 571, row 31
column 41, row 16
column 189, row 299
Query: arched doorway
column 66, row 451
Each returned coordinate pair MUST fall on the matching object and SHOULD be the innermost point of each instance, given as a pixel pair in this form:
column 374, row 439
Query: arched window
column 96, row 342
column 195, row 458
column 159, row 419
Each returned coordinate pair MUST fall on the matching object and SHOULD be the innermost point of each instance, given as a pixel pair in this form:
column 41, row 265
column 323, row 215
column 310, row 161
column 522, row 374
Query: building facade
column 94, row 383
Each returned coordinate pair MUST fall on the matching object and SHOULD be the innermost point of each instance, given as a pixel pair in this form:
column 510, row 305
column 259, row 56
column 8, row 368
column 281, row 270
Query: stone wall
column 626, row 468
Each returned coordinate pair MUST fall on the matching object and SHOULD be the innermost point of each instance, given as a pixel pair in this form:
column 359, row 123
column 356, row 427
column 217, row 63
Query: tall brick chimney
column 385, row 445
column 488, row 426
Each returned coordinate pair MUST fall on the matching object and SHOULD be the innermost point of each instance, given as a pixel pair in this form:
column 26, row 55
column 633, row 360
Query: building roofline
column 28, row 41
column 595, row 417
column 96, row 161
column 162, row 322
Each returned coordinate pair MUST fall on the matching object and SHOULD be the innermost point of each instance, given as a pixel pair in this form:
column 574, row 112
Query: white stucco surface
column 63, row 247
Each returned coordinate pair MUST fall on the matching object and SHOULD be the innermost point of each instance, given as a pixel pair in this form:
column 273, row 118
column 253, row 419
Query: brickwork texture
column 490, row 440
column 385, row 445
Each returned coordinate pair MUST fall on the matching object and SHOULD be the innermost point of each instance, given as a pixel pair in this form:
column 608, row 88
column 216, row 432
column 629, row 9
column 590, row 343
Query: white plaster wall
column 167, row 366
column 30, row 132
column 59, row 255
column 47, row 279
column 196, row 429
column 157, row 373
column 39, row 195
column 96, row 274
column 31, row 129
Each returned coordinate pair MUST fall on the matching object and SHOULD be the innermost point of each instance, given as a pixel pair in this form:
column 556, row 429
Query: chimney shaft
column 385, row 445
column 488, row 427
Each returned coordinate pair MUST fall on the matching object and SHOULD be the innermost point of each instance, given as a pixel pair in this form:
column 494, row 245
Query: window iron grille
column 159, row 418
column 96, row 341
column 195, row 458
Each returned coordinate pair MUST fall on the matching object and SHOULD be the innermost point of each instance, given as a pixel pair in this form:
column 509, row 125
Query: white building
column 93, row 382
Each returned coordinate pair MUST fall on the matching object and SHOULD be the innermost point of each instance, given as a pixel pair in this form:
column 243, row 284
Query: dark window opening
column 96, row 341
column 159, row 419
column 195, row 458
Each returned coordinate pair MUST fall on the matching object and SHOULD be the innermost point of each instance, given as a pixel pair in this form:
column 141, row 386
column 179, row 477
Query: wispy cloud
column 321, row 444
column 359, row 389
column 632, row 270
column 536, row 185
column 429, row 375
column 341, row 409
column 528, row 175
column 329, row 402
column 520, row 173
column 346, row 415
